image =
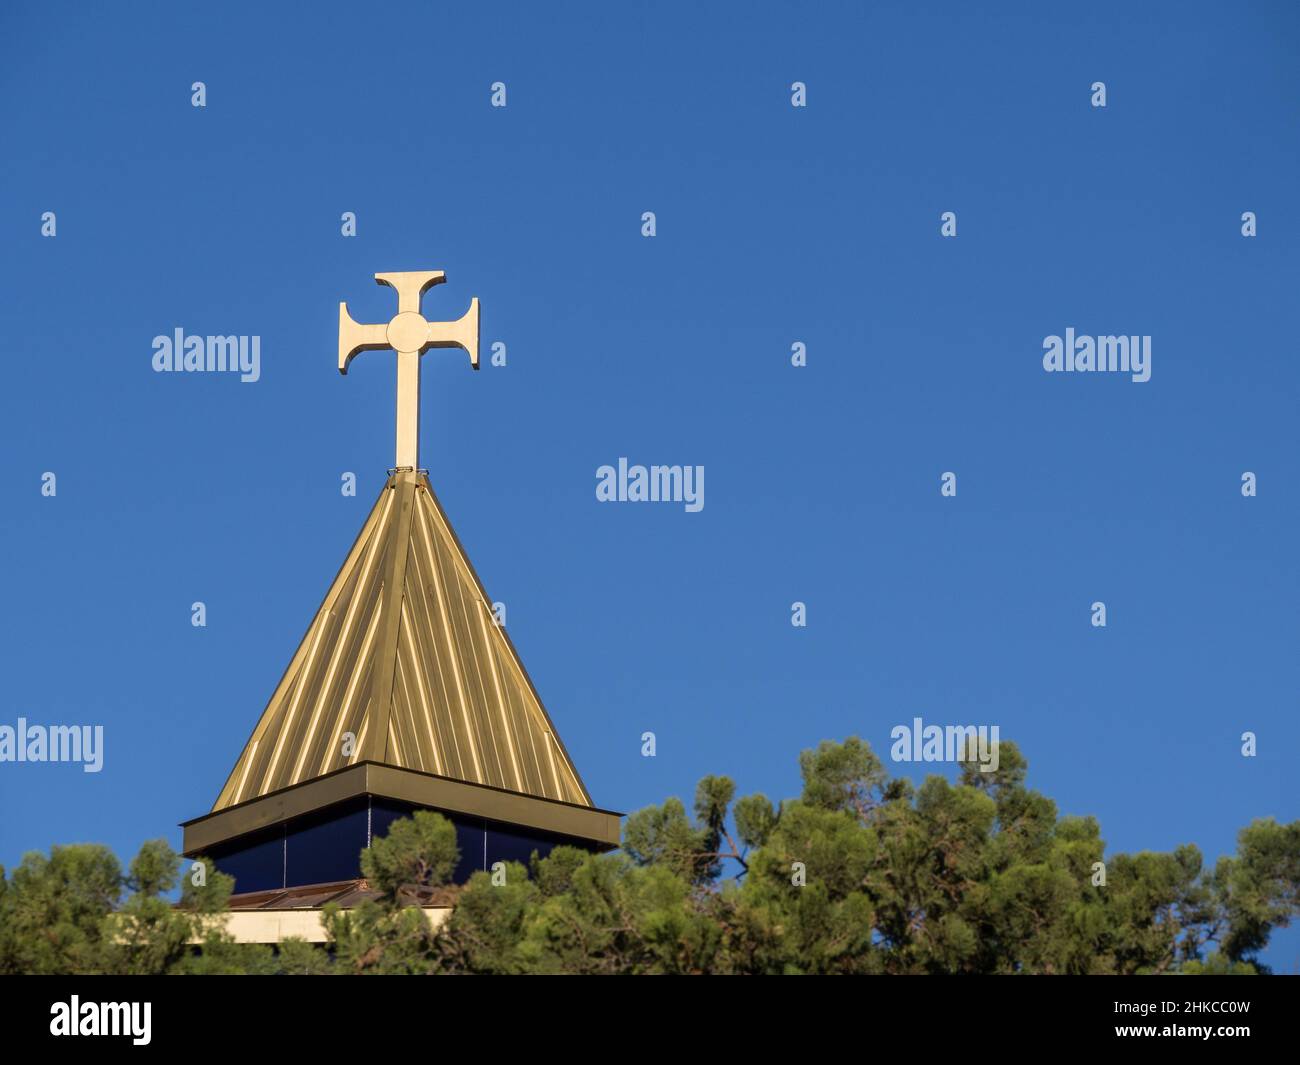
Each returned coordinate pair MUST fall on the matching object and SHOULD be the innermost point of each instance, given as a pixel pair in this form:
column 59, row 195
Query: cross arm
column 355, row 337
column 462, row 333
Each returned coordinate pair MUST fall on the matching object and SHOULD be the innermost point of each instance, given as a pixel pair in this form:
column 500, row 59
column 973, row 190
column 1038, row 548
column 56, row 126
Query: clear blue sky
column 775, row 225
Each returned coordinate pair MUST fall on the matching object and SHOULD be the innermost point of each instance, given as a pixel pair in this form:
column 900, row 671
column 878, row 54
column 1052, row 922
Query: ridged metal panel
column 423, row 679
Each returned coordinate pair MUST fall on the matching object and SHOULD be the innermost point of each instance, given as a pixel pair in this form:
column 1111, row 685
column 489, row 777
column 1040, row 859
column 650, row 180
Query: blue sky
column 775, row 224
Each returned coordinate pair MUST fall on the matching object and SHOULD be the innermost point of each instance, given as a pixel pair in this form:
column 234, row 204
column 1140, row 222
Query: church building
column 404, row 694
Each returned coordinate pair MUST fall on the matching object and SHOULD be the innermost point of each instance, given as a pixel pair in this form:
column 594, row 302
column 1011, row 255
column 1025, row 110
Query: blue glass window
column 326, row 846
column 256, row 862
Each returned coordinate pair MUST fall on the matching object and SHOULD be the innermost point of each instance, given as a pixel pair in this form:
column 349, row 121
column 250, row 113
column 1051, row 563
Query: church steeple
column 404, row 693
column 405, row 664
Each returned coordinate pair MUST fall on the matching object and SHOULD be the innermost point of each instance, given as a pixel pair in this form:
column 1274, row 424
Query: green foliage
column 391, row 935
column 151, row 935
column 418, row 852
column 860, row 873
column 77, row 912
column 842, row 776
column 54, row 910
column 664, row 836
column 863, row 874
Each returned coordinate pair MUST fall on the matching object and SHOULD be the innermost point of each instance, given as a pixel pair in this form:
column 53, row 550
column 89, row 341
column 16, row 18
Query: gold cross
column 410, row 335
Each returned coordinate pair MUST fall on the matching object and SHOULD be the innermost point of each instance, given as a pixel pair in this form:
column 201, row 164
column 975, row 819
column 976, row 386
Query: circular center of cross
column 408, row 332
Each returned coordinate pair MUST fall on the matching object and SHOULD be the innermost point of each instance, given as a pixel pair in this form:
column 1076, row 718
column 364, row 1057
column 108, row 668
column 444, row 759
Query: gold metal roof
column 405, row 665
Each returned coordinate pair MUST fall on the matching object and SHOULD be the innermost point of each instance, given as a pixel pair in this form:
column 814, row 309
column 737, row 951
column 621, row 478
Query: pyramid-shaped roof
column 404, row 665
